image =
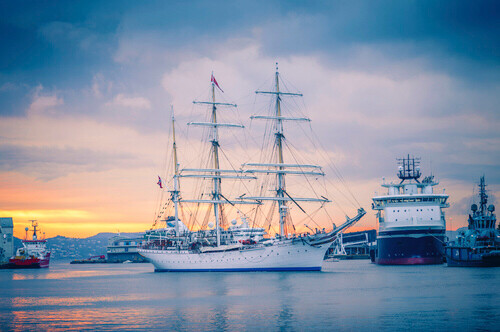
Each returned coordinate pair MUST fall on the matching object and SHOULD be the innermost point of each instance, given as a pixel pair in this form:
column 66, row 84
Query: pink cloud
column 132, row 102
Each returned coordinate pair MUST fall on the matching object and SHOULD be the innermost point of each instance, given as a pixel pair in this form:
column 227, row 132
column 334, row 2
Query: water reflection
column 73, row 301
column 62, row 274
column 80, row 319
column 358, row 295
column 218, row 319
column 285, row 291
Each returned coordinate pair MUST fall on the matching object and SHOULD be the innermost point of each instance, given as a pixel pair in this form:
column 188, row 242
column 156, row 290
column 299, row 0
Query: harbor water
column 346, row 295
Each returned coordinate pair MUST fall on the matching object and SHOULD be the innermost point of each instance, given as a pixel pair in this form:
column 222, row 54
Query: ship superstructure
column 411, row 218
column 225, row 248
column 477, row 245
column 33, row 253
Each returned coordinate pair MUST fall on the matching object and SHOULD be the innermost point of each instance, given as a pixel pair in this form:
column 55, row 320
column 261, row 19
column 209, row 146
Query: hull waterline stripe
column 260, row 269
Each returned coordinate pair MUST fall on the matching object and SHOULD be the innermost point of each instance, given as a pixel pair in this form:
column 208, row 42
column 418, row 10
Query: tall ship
column 33, row 253
column 215, row 246
column 411, row 219
column 477, row 245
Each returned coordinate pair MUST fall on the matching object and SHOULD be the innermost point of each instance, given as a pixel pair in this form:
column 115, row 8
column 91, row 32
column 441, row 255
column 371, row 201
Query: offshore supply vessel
column 477, row 245
column 33, row 253
column 411, row 219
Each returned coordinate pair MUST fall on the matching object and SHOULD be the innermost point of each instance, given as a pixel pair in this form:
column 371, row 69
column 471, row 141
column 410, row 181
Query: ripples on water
column 347, row 295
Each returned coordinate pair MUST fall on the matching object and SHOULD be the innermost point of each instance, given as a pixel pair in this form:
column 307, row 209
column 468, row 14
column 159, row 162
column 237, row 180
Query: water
column 347, row 295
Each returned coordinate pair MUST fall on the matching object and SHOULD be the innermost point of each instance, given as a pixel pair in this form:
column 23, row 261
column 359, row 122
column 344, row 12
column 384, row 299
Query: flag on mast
column 160, row 182
column 213, row 80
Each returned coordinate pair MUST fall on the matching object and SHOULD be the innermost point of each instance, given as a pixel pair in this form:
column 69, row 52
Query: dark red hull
column 410, row 261
column 29, row 263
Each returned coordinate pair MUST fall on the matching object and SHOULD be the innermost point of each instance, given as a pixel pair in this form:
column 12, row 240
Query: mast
column 279, row 167
column 215, row 173
column 483, row 196
column 409, row 169
column 215, row 156
column 279, row 144
column 35, row 225
column 175, row 192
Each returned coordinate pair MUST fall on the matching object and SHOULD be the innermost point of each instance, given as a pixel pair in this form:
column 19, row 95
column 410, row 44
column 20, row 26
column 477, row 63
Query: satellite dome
column 491, row 208
column 473, row 207
column 26, row 229
column 211, row 225
column 233, row 221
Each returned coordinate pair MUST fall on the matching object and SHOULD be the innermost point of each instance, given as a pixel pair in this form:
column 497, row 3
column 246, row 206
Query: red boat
column 33, row 254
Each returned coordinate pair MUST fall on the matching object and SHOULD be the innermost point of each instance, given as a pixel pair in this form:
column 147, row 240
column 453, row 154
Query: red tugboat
column 33, row 253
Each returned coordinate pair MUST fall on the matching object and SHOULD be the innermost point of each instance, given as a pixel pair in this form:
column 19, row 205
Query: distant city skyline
column 86, row 89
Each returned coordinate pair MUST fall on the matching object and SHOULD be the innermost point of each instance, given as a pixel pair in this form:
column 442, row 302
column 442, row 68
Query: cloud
column 132, row 102
column 42, row 103
column 378, row 82
column 48, row 163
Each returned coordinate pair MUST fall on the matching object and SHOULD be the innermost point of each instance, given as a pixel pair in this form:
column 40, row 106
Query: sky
column 86, row 89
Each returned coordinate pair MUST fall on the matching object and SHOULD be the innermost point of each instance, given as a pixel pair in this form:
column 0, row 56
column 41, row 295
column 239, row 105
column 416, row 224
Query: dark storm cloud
column 71, row 37
column 457, row 37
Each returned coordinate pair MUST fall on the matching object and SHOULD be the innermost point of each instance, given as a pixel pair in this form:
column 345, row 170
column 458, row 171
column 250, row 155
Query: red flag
column 213, row 80
column 159, row 182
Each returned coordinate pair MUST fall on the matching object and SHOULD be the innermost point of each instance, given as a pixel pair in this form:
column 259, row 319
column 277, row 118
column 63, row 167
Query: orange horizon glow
column 55, row 223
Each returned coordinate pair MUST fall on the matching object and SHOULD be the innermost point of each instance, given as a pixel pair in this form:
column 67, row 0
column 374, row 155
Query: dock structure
column 354, row 245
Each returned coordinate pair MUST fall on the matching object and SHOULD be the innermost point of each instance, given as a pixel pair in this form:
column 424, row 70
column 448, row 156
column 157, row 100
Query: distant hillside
column 107, row 236
column 66, row 248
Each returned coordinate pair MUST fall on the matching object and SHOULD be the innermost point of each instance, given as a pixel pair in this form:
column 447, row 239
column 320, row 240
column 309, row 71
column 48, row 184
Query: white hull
column 289, row 255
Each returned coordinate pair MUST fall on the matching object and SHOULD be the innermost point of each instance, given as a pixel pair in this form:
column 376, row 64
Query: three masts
column 232, row 251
